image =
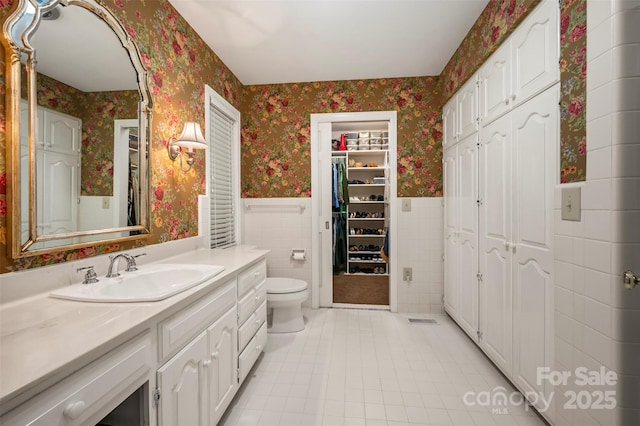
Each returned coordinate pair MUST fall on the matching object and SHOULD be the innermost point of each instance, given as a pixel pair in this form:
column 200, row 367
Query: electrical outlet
column 407, row 274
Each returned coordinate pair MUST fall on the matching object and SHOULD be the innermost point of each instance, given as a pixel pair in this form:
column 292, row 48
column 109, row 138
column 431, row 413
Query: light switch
column 105, row 202
column 406, row 204
column 571, row 207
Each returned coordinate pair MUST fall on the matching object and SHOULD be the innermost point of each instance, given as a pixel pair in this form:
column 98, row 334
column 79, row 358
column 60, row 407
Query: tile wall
column 597, row 321
column 279, row 224
column 420, row 237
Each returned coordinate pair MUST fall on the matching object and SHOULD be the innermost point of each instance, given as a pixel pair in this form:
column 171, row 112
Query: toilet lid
column 285, row 285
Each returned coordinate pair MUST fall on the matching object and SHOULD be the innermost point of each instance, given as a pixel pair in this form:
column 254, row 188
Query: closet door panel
column 494, row 239
column 536, row 52
column 494, row 97
column 450, row 176
column 468, row 108
column 468, row 236
column 535, row 140
column 449, row 124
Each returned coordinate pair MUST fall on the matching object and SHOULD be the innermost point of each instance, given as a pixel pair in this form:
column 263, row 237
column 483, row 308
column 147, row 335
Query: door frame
column 321, row 287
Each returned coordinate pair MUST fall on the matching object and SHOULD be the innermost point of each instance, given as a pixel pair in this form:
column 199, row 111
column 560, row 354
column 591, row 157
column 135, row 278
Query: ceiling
column 286, row 41
column 80, row 50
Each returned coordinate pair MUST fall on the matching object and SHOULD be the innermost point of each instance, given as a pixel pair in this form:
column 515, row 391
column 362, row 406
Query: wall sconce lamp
column 189, row 140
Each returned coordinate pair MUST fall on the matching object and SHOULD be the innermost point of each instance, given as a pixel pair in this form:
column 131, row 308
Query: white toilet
column 285, row 297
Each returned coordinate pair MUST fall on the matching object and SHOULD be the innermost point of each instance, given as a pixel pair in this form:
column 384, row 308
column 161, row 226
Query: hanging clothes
column 339, row 242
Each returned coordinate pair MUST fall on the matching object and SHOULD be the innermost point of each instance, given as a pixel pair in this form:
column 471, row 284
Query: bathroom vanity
column 175, row 361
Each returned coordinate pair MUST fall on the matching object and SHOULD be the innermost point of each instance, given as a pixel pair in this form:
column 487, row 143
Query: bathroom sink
column 148, row 284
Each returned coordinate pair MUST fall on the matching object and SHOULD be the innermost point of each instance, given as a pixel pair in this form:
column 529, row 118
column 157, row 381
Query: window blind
column 223, row 226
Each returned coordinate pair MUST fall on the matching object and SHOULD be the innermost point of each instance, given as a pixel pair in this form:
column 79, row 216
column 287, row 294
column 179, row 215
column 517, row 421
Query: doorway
column 348, row 270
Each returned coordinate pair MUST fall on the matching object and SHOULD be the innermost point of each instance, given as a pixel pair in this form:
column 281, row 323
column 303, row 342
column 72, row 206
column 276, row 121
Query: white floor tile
column 370, row 368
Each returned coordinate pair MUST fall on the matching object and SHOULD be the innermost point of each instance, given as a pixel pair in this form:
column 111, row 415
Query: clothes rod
column 248, row 205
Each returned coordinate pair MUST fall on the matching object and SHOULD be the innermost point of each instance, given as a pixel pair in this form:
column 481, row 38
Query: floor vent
column 423, row 321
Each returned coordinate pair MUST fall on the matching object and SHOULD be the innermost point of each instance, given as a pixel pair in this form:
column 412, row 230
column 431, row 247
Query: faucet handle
column 131, row 262
column 90, row 276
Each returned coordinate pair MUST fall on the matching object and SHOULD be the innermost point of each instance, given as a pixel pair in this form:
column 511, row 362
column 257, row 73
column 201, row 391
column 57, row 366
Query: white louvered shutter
column 223, row 232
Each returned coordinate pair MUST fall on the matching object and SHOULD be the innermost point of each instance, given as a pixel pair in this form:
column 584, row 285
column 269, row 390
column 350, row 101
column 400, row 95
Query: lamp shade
column 191, row 137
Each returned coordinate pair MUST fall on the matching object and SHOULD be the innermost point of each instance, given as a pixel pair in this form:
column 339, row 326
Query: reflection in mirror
column 88, row 139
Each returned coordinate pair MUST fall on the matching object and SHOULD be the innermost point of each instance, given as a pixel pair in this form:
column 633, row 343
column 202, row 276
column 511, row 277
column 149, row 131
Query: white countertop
column 43, row 339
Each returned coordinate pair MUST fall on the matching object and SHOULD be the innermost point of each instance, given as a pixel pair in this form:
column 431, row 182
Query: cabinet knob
column 258, row 322
column 513, row 97
column 74, row 410
column 507, row 246
column 206, row 363
column 257, row 299
column 506, row 101
column 258, row 348
column 215, row 355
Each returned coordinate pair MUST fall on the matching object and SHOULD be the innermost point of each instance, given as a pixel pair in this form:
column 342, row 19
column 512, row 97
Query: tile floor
column 363, row 367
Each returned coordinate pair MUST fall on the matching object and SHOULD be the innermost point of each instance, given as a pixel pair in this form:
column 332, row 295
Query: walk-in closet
column 356, row 193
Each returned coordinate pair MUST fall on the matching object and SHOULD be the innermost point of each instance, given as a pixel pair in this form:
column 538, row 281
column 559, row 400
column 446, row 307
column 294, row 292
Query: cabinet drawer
column 251, row 301
column 250, row 354
column 86, row 396
column 251, row 277
column 176, row 331
column 248, row 329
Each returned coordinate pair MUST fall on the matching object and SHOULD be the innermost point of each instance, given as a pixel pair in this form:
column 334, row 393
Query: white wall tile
column 563, row 301
column 625, row 325
column 564, row 274
column 597, row 286
column 626, row 61
column 599, row 132
column 625, row 127
column 597, row 316
column 623, row 190
column 626, row 94
column 625, row 26
column 597, row 224
column 625, row 226
column 597, row 346
column 597, row 12
column 599, row 39
column 600, row 101
column 625, row 160
column 596, row 195
column 600, row 70
column 599, row 163
column 597, row 255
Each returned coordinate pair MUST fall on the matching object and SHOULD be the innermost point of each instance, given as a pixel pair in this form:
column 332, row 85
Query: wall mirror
column 78, row 119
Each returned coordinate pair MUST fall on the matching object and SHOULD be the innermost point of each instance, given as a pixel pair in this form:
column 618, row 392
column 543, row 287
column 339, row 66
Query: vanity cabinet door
column 182, row 384
column 223, row 370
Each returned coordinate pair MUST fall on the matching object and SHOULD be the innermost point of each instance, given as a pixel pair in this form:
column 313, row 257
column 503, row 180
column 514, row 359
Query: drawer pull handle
column 74, row 410
column 215, row 354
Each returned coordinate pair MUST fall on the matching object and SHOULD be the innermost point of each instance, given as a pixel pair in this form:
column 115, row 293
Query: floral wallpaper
column 276, row 159
column 275, row 127
column 99, row 111
column 179, row 65
column 573, row 74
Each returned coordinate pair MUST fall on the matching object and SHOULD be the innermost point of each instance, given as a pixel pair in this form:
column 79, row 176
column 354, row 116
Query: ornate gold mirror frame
column 17, row 31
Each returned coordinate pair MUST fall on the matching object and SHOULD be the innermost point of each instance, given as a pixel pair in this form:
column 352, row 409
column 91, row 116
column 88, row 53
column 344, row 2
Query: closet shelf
column 366, row 236
column 367, row 274
column 368, row 185
column 366, row 202
column 366, row 168
column 365, row 218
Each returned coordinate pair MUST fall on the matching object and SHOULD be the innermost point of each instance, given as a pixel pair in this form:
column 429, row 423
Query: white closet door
column 325, row 218
column 495, row 85
column 468, row 235
column 535, row 140
column 59, row 205
column 449, row 123
column 495, row 236
column 450, row 176
column 535, row 52
column 62, row 132
column 468, row 108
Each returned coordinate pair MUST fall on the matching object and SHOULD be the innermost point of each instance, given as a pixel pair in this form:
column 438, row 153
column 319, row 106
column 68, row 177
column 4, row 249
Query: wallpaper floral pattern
column 275, row 127
column 573, row 74
column 179, row 64
column 276, row 158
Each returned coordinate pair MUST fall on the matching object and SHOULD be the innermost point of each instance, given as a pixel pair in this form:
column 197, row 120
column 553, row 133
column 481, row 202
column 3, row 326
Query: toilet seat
column 285, row 285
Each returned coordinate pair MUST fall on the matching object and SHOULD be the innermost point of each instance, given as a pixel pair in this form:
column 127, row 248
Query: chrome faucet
column 113, row 260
